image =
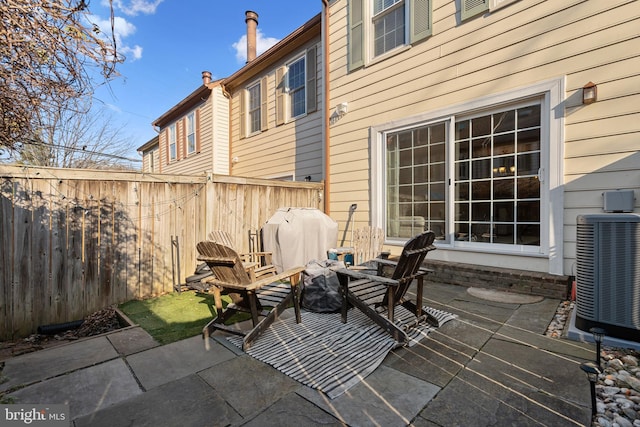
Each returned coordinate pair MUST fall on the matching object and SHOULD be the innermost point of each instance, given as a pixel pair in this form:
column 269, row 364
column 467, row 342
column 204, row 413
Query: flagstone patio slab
column 386, row 398
column 85, row 390
column 170, row 362
column 51, row 362
column 188, row 401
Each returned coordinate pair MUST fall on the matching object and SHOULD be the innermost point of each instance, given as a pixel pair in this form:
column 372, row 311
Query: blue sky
column 168, row 43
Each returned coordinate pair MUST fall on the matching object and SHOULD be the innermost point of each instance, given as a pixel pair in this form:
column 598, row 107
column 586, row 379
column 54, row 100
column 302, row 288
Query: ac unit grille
column 608, row 269
column 585, row 271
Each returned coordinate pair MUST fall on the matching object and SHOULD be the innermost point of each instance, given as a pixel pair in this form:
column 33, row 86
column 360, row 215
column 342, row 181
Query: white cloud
column 262, row 44
column 121, row 30
column 133, row 53
column 135, row 7
column 113, row 107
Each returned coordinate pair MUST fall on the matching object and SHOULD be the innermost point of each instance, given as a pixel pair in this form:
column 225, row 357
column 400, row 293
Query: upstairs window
column 380, row 26
column 296, row 88
column 471, row 8
column 173, row 154
column 388, row 25
column 254, row 107
column 191, row 133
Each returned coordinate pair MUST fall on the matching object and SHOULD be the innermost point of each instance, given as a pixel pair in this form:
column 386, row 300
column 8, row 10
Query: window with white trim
column 388, row 25
column 191, row 133
column 491, row 159
column 296, row 87
column 496, row 185
column 416, row 177
column 151, row 156
column 296, row 80
column 254, row 113
column 377, row 27
column 523, row 210
column 173, row 153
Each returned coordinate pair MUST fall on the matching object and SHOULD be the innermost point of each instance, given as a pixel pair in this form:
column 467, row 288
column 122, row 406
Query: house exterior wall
column 212, row 138
column 220, row 132
column 150, row 160
column 293, row 149
column 211, row 133
column 527, row 51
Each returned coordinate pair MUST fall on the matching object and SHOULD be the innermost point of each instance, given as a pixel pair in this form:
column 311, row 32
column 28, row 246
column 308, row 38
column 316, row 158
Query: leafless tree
column 50, row 54
column 76, row 138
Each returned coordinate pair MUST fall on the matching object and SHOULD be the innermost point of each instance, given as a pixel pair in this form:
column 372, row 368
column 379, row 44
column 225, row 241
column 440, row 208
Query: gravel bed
column 618, row 386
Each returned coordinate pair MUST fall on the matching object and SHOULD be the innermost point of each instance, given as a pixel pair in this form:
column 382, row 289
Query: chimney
column 251, row 18
column 206, row 77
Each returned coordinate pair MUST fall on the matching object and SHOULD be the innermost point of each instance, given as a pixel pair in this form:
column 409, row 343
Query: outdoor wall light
column 592, row 372
column 342, row 109
column 598, row 337
column 235, row 160
column 589, row 93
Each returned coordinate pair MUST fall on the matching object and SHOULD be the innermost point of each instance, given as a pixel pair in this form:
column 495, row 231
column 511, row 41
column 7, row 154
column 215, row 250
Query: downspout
column 228, row 96
column 325, row 103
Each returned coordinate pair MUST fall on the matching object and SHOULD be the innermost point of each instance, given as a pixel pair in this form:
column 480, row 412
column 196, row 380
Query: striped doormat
column 327, row 355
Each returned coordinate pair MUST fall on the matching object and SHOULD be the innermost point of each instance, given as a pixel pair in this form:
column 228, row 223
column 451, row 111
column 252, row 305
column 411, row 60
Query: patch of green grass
column 172, row 317
column 7, row 400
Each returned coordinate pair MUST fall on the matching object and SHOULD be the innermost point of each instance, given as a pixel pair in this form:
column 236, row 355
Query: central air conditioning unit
column 608, row 274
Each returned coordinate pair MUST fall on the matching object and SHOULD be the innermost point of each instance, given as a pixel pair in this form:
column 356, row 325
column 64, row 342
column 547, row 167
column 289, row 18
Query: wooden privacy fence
column 75, row 241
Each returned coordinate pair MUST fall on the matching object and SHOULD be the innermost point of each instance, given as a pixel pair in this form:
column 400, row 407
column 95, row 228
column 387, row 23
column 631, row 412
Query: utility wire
column 83, row 150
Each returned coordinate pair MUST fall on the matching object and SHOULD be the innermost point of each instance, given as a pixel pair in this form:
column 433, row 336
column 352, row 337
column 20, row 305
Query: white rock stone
column 630, row 413
column 621, row 421
column 633, row 382
column 615, row 364
column 610, row 391
column 603, row 422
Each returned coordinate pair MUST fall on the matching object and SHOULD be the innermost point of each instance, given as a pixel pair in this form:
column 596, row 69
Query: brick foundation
column 520, row 281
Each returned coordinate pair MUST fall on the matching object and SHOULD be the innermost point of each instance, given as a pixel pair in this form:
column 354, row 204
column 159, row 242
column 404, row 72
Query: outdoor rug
column 327, row 355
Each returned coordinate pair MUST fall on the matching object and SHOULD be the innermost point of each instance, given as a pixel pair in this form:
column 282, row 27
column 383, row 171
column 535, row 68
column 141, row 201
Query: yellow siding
column 294, row 148
column 201, row 161
column 522, row 44
column 220, row 131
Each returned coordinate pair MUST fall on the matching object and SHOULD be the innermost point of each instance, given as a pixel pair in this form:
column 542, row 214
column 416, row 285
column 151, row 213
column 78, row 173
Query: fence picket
column 75, row 241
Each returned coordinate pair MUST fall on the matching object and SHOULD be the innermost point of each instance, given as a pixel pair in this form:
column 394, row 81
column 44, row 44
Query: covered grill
column 296, row 236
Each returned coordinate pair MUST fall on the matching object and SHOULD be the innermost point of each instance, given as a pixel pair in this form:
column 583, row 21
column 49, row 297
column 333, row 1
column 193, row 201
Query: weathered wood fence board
column 75, row 241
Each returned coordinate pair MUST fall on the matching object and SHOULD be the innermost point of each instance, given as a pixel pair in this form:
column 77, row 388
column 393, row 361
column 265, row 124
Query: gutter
column 325, row 104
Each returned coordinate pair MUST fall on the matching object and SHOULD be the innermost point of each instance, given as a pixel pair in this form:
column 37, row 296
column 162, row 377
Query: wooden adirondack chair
column 376, row 295
column 224, row 238
column 265, row 297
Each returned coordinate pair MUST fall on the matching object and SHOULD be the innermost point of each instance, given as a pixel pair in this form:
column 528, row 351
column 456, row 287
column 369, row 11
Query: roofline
column 150, row 143
column 293, row 41
column 187, row 103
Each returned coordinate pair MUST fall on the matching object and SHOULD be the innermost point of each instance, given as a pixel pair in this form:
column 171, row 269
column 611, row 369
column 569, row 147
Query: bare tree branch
column 76, row 138
column 49, row 55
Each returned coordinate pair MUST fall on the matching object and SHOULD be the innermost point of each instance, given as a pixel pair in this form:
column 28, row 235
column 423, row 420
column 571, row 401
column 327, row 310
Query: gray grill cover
column 298, row 235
